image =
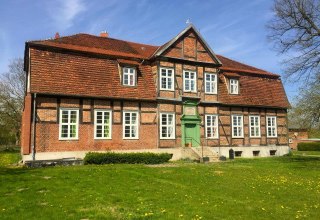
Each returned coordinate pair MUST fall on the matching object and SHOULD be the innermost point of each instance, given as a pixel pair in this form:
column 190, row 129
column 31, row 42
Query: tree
column 12, row 91
column 295, row 29
column 306, row 110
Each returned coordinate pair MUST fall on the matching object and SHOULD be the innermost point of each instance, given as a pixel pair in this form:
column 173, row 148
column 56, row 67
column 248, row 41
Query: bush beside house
column 129, row 158
column 311, row 146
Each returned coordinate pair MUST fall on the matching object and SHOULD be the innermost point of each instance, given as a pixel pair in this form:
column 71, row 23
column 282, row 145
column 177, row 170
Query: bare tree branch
column 295, row 29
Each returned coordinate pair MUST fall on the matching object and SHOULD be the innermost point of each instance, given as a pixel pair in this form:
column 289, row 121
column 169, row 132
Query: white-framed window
column 167, row 125
column 189, row 81
column 254, row 122
column 237, row 126
column 271, row 126
column 166, row 79
column 212, row 127
column 211, row 83
column 129, row 76
column 234, row 86
column 130, row 125
column 102, row 124
column 68, row 124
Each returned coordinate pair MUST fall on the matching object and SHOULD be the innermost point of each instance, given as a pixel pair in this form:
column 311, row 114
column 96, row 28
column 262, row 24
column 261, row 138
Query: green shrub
column 129, row 158
column 309, row 146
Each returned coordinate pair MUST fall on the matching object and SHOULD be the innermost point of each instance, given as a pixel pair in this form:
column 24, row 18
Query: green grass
column 264, row 188
column 9, row 155
column 306, row 153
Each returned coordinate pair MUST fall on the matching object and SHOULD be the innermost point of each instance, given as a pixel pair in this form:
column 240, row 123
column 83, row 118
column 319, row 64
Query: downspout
column 34, row 126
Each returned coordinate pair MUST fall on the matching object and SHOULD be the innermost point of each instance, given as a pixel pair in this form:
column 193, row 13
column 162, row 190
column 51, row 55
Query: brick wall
column 178, row 81
column 296, row 136
column 26, row 125
column 47, row 127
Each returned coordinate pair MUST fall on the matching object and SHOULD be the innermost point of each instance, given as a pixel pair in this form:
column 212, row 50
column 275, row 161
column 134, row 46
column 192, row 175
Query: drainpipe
column 34, row 126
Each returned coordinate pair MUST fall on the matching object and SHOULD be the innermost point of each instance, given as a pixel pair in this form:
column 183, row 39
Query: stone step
column 206, row 152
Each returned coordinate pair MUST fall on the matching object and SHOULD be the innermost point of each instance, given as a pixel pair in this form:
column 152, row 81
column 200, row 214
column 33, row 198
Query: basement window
column 273, row 152
column 256, row 153
column 238, row 153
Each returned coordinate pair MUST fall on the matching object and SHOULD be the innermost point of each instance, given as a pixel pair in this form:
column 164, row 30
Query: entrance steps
column 199, row 153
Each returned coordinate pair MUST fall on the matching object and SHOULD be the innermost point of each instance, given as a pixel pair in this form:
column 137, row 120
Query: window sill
column 103, row 138
column 168, row 90
column 68, row 139
column 190, row 91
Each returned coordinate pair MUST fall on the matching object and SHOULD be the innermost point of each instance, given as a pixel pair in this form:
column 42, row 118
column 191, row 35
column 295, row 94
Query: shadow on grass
column 13, row 170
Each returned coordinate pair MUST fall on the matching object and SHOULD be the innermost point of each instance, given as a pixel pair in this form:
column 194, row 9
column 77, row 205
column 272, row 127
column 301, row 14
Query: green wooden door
column 192, row 134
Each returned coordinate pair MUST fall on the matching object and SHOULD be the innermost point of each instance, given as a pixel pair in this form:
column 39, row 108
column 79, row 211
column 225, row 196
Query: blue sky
column 233, row 28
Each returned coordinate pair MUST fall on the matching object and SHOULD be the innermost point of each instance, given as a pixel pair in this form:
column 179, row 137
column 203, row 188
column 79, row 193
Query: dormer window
column 234, row 86
column 129, row 76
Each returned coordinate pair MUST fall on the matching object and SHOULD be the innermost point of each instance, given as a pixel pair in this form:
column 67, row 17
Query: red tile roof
column 100, row 45
column 235, row 66
column 121, row 48
column 91, row 76
column 86, row 76
column 255, row 91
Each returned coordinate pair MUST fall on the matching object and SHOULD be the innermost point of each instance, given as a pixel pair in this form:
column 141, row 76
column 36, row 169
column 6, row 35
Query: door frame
column 190, row 117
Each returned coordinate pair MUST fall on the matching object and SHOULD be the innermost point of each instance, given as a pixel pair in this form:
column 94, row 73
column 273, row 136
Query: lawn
column 307, row 153
column 264, row 188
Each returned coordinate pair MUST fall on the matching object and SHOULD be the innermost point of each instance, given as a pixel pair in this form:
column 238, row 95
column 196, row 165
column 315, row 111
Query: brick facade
column 85, row 79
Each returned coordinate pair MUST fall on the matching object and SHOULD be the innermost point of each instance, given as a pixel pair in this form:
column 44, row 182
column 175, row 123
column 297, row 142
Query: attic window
column 129, row 76
column 234, row 86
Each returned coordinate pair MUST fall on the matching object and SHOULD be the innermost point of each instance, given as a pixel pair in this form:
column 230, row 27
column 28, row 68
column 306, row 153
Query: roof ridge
column 92, row 35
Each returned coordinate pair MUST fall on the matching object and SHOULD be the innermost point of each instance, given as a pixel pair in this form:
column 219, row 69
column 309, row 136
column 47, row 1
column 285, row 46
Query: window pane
column 134, row 131
column 127, row 118
column 73, row 131
column 64, row 131
column 169, row 83
column 106, row 131
column 164, row 132
column 127, row 131
column 134, row 118
column 170, row 131
column 163, row 83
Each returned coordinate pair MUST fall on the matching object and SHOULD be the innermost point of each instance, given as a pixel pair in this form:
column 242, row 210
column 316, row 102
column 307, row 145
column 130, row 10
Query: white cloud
column 64, row 12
